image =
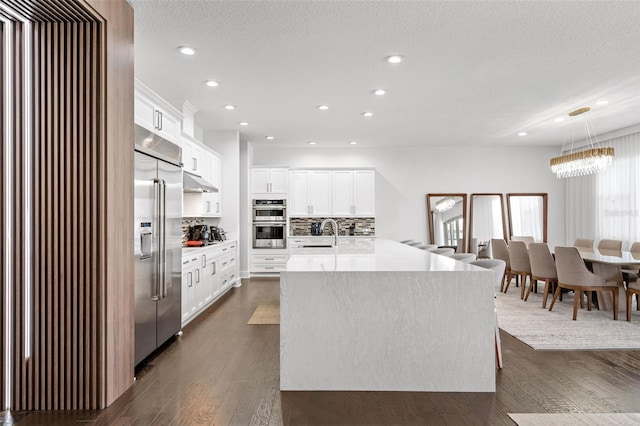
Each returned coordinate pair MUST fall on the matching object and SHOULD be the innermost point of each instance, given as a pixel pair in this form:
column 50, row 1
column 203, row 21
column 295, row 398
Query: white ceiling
column 475, row 73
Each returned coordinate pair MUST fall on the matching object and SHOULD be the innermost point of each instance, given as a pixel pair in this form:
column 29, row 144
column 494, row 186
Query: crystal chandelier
column 592, row 159
column 445, row 204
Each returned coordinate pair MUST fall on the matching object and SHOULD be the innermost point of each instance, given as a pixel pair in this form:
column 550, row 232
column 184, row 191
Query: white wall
column 405, row 175
column 227, row 143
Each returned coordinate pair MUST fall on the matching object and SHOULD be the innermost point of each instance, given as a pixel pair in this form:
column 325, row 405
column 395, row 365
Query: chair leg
column 614, row 292
column 555, row 296
column 531, row 284
column 509, row 278
column 546, row 291
column 523, row 284
column 502, row 281
column 575, row 303
column 589, row 296
column 629, row 306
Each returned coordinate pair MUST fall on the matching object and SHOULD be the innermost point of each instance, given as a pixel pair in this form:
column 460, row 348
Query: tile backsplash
column 301, row 226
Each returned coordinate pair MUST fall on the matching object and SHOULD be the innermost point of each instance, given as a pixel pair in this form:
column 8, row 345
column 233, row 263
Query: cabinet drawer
column 266, row 259
column 269, row 267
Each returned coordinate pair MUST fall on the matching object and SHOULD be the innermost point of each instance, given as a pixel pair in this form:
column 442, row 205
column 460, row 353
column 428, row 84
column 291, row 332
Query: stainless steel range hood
column 195, row 183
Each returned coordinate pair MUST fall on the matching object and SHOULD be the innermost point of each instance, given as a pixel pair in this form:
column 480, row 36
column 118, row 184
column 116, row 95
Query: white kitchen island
column 394, row 319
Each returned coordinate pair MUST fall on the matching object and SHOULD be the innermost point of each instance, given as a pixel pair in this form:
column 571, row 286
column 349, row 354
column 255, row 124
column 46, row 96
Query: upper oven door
column 269, row 214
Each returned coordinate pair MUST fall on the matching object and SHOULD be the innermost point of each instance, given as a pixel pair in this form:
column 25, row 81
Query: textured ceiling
column 475, row 73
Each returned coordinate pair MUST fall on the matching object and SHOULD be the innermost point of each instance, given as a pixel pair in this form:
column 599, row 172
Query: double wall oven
column 269, row 224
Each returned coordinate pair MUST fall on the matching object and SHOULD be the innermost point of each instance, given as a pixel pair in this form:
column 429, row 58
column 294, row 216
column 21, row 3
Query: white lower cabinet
column 207, row 273
column 269, row 262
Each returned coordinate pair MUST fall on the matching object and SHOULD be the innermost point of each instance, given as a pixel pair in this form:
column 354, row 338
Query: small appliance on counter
column 315, row 228
column 217, row 234
column 199, row 235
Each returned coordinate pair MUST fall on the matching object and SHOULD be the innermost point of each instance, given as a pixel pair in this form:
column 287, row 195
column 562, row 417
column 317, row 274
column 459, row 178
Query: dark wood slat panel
column 39, row 256
column 3, row 212
column 82, row 252
column 73, row 214
column 51, row 10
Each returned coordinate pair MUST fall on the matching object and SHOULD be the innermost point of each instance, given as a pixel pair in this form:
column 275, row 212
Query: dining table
column 609, row 264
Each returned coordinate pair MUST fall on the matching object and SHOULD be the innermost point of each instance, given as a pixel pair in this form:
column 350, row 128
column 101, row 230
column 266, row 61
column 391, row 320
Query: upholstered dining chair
column 520, row 265
column 583, row 243
column 574, row 275
column 543, row 268
column 445, row 251
column 498, row 266
column 610, row 245
column 463, row 257
column 429, row 247
column 501, row 251
column 632, row 288
column 630, row 277
column 524, row 238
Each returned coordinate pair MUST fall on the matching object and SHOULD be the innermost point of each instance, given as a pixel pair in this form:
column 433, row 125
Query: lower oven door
column 269, row 235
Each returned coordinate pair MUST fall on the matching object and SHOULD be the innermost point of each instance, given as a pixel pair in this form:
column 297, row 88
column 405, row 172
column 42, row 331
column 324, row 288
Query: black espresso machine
column 217, row 234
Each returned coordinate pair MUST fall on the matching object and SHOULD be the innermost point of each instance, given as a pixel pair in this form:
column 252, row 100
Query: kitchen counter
column 196, row 250
column 393, row 319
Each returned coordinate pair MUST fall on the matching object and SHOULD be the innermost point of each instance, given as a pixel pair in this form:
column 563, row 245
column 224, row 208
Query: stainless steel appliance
column 270, row 235
column 269, row 224
column 269, row 211
column 315, row 228
column 157, row 243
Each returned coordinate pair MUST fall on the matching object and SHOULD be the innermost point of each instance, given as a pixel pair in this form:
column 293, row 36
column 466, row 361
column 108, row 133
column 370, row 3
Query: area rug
column 555, row 330
column 265, row 314
column 575, row 419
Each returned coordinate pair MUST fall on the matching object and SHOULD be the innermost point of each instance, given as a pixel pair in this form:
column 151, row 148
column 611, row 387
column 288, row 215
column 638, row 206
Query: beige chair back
column 500, row 251
column 583, row 243
column 496, row 265
column 463, row 257
column 610, row 245
column 572, row 270
column 542, row 264
column 635, row 248
column 525, row 239
column 519, row 256
column 445, row 251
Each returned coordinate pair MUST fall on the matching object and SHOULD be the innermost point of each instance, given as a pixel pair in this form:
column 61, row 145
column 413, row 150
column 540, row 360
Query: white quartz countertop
column 196, row 250
column 380, row 255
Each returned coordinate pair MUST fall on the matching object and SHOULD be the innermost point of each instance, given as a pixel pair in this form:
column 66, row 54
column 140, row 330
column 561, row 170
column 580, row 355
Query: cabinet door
column 260, row 180
column 342, row 193
column 144, row 113
column 299, row 202
column 216, row 180
column 188, row 294
column 279, row 180
column 168, row 127
column 364, row 192
column 198, row 286
column 320, row 192
column 205, row 291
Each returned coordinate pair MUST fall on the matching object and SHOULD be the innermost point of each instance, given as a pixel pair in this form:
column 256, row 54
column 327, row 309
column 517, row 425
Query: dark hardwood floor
column 225, row 372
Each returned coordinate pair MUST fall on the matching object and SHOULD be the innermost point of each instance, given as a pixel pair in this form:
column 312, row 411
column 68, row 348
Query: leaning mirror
column 446, row 216
column 527, row 216
column 486, row 221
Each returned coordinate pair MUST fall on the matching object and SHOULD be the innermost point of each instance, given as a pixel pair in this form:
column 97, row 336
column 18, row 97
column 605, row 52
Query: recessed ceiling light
column 211, row 83
column 353, row 143
column 186, row 50
column 269, row 138
column 379, row 92
column 243, row 123
column 522, row 134
column 367, row 114
column 311, row 143
column 602, row 102
column 394, row 59
column 323, row 107
column 558, row 120
column 229, row 107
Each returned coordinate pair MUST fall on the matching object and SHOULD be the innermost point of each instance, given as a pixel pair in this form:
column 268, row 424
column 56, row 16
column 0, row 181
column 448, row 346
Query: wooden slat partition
column 79, row 326
column 3, row 212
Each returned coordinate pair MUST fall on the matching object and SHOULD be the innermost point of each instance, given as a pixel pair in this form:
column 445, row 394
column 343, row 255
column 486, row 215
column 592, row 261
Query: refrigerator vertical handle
column 158, row 243
column 163, row 290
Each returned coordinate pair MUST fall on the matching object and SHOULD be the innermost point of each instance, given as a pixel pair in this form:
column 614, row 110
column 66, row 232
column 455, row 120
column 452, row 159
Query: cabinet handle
column 217, row 207
column 225, row 249
column 195, row 163
column 224, row 263
column 160, row 121
column 190, row 279
column 198, row 276
column 204, row 260
column 208, row 206
column 213, row 269
column 268, row 267
column 268, row 258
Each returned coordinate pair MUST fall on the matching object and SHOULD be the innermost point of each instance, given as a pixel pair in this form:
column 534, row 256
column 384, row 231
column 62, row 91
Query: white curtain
column 607, row 205
column 487, row 217
column 526, row 216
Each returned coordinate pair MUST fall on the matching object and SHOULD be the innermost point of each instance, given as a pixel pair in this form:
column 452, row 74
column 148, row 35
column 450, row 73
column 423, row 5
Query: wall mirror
column 446, row 216
column 486, row 221
column 528, row 216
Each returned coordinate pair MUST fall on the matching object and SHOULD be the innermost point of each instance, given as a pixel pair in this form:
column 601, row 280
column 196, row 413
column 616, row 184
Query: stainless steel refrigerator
column 157, row 243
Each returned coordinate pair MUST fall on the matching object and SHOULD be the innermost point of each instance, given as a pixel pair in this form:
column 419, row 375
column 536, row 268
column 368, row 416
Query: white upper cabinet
column 338, row 193
column 269, row 180
column 310, row 193
column 155, row 114
column 201, row 160
column 353, row 193
column 192, row 157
